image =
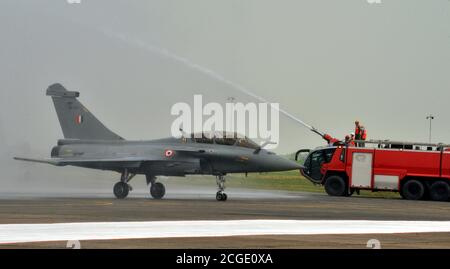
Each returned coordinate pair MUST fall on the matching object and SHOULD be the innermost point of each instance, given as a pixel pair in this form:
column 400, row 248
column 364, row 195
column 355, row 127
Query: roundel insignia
column 168, row 153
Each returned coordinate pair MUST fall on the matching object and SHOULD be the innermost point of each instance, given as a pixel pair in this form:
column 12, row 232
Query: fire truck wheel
column 440, row 191
column 335, row 186
column 413, row 190
column 401, row 194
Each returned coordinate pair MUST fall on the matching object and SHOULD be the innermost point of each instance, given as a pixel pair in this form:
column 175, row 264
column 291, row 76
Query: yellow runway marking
column 103, row 203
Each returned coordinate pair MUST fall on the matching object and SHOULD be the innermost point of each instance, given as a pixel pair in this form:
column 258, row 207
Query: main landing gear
column 221, row 196
column 157, row 189
column 122, row 188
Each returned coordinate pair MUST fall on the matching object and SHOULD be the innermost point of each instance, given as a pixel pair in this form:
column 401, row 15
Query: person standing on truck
column 331, row 140
column 349, row 140
column 360, row 133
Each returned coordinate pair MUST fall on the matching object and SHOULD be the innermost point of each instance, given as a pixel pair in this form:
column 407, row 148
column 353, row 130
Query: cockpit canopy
column 223, row 138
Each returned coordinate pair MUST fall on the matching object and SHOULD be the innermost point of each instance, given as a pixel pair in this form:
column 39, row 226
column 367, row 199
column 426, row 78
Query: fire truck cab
column 415, row 170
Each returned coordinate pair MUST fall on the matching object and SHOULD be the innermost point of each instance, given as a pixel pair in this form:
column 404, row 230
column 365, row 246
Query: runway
column 268, row 219
column 24, row 233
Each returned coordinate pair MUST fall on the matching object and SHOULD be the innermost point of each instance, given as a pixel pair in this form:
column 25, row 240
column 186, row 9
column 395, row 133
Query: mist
column 326, row 62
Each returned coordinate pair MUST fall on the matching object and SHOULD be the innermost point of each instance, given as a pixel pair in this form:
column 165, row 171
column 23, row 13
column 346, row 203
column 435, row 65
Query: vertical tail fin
column 76, row 121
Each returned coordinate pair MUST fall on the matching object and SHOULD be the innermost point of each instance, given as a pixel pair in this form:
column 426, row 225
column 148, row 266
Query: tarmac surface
column 242, row 205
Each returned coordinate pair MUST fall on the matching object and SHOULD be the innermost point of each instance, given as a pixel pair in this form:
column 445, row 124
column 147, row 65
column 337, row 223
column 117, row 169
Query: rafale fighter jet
column 88, row 143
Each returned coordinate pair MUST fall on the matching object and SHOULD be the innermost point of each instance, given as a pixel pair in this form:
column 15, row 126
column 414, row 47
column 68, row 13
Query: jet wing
column 130, row 161
column 47, row 161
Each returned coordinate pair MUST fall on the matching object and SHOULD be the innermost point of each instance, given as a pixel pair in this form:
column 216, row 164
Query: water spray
column 204, row 70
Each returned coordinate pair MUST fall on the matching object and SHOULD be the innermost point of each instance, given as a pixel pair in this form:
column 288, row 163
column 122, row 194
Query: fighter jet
column 88, row 143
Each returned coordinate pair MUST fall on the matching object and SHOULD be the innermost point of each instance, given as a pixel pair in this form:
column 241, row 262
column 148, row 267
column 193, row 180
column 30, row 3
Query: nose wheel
column 220, row 195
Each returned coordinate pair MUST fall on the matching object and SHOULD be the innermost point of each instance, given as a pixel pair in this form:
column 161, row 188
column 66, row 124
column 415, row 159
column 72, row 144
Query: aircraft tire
column 220, row 196
column 440, row 191
column 157, row 190
column 335, row 186
column 121, row 190
column 413, row 190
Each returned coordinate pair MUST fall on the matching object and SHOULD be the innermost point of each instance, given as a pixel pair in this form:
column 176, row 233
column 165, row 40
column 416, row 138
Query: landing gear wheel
column 157, row 190
column 413, row 190
column 440, row 191
column 221, row 196
column 121, row 190
column 335, row 186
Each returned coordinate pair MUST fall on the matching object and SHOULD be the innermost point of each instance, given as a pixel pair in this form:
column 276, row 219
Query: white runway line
column 19, row 233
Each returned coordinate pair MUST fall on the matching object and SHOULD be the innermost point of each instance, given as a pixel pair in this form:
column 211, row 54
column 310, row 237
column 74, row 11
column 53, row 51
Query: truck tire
column 413, row 190
column 335, row 186
column 440, row 191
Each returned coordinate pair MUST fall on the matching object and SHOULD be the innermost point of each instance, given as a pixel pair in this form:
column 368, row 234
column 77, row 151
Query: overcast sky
column 327, row 62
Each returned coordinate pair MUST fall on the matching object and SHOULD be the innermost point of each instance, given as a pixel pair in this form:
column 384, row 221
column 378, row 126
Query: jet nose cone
column 290, row 165
column 283, row 164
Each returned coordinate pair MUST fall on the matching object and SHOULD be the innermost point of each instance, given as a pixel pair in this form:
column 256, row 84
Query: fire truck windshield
column 314, row 162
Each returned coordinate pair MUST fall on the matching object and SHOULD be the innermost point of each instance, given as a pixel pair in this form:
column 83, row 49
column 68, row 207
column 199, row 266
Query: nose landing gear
column 220, row 195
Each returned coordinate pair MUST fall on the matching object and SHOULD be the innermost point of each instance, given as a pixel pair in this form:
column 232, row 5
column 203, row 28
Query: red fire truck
column 415, row 170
